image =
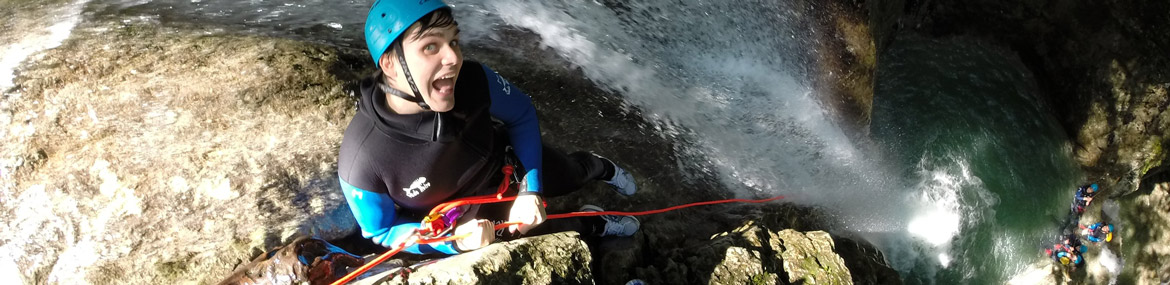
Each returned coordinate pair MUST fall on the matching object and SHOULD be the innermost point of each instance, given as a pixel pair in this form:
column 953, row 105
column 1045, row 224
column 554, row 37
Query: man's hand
column 527, row 209
column 480, row 234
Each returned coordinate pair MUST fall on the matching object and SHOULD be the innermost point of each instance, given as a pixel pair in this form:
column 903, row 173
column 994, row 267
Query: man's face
column 434, row 59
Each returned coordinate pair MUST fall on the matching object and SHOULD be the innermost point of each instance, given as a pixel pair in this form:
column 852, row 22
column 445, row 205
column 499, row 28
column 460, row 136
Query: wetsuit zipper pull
column 438, row 127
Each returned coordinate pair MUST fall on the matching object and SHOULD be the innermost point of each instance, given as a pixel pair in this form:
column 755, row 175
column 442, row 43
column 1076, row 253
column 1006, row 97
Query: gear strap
column 409, row 80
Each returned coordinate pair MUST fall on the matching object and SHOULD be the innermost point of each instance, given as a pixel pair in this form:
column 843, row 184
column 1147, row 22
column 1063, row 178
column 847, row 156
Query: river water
column 969, row 178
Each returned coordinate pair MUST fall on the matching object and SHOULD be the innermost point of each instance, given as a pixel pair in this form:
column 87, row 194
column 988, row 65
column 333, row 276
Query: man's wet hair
column 440, row 18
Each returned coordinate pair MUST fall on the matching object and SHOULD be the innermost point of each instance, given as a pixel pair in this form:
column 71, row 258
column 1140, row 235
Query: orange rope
column 416, row 239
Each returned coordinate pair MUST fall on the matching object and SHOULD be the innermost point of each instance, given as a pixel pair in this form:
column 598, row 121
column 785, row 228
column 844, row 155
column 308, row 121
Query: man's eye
column 430, row 47
column 455, row 43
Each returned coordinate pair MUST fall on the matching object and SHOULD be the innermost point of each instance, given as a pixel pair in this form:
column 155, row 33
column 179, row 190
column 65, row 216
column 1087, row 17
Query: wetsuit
column 1097, row 232
column 1081, row 198
column 394, row 168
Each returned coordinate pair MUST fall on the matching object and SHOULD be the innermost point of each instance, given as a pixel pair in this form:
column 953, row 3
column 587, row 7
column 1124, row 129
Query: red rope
column 643, row 213
column 376, row 261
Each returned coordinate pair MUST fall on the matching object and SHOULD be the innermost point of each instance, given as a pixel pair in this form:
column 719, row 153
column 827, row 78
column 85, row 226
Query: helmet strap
column 389, row 90
column 409, row 80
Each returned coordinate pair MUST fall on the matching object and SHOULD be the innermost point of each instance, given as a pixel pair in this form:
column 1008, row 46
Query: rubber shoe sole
column 615, row 225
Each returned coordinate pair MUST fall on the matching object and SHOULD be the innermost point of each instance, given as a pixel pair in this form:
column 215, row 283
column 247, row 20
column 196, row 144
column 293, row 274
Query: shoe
column 636, row 282
column 615, row 225
column 622, row 181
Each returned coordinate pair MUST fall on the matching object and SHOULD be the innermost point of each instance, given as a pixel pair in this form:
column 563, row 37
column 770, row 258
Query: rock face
column 137, row 154
column 811, row 258
column 750, row 254
column 1146, row 243
column 762, row 245
column 846, row 60
column 561, row 258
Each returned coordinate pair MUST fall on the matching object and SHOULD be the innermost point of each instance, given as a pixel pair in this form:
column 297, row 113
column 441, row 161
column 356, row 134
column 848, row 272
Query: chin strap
column 404, row 96
column 417, row 98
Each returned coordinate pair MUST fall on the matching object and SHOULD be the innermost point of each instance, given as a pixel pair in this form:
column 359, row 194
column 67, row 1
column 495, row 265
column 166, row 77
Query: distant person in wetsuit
column 1083, row 197
column 432, row 127
column 1067, row 251
column 1072, row 243
column 1098, row 232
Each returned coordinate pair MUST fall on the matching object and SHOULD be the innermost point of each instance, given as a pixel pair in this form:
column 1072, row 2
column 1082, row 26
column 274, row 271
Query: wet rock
column 765, row 249
column 846, row 59
column 305, row 259
column 811, row 258
column 1145, row 244
column 616, row 257
column 561, row 258
column 866, row 264
column 141, row 154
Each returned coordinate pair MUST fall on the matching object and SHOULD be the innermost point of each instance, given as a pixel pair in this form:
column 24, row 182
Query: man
column 1098, row 232
column 1083, row 197
column 434, row 139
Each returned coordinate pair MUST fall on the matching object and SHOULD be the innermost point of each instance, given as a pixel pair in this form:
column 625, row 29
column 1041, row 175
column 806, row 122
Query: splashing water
column 747, row 111
column 1111, row 263
column 728, row 82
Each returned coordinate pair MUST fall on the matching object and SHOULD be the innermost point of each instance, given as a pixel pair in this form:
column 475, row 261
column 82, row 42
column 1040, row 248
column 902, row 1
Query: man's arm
column 375, row 214
column 515, row 109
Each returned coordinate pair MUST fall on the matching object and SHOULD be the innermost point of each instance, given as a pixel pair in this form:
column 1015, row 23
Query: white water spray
column 728, row 78
column 1111, row 263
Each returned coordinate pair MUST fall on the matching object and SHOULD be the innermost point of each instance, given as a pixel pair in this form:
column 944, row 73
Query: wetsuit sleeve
column 1093, row 238
column 375, row 215
column 515, row 109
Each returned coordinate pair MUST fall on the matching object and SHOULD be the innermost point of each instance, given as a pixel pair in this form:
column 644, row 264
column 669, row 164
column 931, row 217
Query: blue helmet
column 389, row 18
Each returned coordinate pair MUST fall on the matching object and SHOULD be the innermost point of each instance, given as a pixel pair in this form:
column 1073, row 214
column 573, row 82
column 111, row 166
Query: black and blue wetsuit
column 1097, row 232
column 394, row 168
column 1082, row 196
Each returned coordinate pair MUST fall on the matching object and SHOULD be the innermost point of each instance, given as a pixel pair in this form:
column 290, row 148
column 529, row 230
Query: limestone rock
column 561, row 258
column 811, row 258
column 754, row 254
column 150, row 155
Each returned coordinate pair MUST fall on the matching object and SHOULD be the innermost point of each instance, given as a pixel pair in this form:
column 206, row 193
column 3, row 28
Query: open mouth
column 444, row 85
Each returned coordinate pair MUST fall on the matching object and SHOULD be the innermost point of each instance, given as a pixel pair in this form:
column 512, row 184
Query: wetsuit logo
column 507, row 86
column 417, row 187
